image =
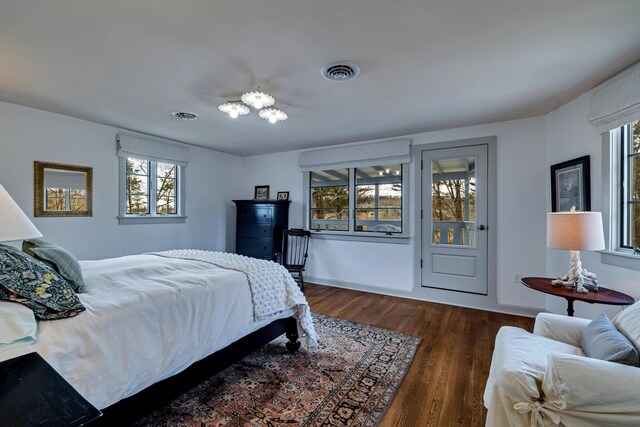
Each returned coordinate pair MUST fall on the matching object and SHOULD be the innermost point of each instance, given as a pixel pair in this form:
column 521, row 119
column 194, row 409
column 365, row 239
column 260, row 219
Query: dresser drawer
column 256, row 230
column 256, row 214
column 257, row 248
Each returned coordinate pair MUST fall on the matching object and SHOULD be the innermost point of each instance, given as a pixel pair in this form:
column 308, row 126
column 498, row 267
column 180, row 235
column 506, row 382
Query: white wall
column 569, row 135
column 388, row 268
column 212, row 180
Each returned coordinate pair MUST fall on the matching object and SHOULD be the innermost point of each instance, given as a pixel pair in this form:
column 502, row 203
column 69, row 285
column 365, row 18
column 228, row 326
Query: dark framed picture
column 571, row 185
column 283, row 195
column 261, row 192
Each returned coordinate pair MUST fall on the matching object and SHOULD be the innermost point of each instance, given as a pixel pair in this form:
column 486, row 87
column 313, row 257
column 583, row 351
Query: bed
column 150, row 317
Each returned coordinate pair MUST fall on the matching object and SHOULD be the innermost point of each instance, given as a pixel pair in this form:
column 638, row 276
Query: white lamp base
column 576, row 276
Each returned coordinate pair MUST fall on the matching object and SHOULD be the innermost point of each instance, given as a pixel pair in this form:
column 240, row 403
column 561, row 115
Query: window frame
column 152, row 217
column 352, row 233
column 613, row 159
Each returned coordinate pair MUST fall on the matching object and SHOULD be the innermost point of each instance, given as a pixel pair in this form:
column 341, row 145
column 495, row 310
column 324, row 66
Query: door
column 454, row 219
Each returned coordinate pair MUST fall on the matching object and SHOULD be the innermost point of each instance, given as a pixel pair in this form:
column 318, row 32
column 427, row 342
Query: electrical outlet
column 517, row 277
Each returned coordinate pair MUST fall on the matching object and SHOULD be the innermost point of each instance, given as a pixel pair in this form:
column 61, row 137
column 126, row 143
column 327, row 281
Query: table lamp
column 575, row 232
column 14, row 224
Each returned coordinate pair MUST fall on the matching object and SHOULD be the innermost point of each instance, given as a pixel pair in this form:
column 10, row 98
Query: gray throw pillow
column 59, row 259
column 601, row 340
column 33, row 283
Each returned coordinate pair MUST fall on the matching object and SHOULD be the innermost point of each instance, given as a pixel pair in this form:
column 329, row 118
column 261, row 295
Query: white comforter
column 147, row 319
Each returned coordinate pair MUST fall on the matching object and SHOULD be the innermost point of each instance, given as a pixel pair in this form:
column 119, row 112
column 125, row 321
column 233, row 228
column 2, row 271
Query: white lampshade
column 575, row 231
column 14, row 224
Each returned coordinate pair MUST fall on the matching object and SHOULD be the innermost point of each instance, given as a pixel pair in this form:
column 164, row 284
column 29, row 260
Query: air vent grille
column 340, row 71
column 183, row 115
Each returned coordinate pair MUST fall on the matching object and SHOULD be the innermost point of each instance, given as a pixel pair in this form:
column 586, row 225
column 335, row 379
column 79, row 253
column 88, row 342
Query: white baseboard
column 517, row 311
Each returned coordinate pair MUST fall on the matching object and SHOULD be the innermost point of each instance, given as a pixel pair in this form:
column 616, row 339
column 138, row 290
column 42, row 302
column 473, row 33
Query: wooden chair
column 295, row 244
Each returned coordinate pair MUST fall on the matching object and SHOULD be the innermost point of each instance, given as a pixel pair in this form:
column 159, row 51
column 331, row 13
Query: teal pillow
column 59, row 259
column 34, row 284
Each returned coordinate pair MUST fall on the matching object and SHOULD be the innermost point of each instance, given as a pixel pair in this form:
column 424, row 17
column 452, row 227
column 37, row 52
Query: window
column 151, row 187
column 629, row 197
column 363, row 201
column 152, row 184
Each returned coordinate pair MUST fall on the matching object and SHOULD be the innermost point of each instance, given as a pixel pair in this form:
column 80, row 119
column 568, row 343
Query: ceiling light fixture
column 234, row 109
column 273, row 115
column 258, row 100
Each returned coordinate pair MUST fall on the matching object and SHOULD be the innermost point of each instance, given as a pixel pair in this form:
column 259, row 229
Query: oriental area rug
column 349, row 380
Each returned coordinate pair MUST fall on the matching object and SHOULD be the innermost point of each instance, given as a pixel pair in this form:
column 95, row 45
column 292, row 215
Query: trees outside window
column 145, row 179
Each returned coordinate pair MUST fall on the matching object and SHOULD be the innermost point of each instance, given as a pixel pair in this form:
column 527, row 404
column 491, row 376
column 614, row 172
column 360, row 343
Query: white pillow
column 17, row 322
column 628, row 322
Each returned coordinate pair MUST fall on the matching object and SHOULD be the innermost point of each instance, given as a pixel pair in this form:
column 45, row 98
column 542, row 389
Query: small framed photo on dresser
column 283, row 195
column 261, row 192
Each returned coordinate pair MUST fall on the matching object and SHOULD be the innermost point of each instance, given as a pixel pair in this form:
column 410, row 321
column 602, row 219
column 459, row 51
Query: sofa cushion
column 601, row 340
column 628, row 322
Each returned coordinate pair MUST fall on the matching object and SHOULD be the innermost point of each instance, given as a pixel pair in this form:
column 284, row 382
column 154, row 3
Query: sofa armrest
column 593, row 386
column 560, row 328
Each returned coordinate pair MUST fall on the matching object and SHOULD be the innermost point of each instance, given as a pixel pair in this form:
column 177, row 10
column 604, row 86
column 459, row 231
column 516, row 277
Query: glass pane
column 166, row 187
column 634, row 219
column 330, row 200
column 635, row 137
column 137, row 204
column 137, row 185
column 138, row 167
column 379, row 198
column 453, row 201
column 166, row 205
column 78, row 200
column 55, row 199
column 166, row 170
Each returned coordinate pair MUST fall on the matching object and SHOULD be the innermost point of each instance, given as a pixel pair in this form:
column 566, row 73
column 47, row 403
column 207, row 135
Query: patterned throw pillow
column 601, row 340
column 59, row 259
column 30, row 282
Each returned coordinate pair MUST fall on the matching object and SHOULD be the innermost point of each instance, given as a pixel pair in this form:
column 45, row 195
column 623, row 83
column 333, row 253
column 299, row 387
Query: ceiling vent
column 183, row 115
column 340, row 71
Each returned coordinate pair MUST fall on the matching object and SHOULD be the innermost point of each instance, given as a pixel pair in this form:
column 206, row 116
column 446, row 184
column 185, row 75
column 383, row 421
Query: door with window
column 454, row 219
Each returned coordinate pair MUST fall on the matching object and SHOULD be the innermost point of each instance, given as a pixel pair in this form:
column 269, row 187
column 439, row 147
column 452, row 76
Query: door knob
column 481, row 227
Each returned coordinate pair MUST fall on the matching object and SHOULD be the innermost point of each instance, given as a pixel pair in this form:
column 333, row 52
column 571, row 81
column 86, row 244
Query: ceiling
column 425, row 64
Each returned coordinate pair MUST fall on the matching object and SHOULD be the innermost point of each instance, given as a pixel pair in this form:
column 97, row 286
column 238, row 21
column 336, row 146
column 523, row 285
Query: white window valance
column 147, row 149
column 616, row 102
column 357, row 155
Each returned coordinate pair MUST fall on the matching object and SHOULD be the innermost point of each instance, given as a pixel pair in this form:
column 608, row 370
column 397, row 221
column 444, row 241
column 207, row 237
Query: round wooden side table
column 601, row 296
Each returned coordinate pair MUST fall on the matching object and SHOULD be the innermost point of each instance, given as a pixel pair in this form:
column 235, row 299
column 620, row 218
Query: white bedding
column 133, row 331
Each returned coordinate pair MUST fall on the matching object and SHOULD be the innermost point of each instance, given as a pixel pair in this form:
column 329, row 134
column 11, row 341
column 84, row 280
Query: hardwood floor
column 445, row 383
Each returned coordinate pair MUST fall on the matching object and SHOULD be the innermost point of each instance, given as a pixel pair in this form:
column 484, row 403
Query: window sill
column 326, row 235
column 129, row 220
column 620, row 259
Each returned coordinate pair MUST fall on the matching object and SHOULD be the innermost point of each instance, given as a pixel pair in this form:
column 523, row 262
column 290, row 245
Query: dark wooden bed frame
column 158, row 395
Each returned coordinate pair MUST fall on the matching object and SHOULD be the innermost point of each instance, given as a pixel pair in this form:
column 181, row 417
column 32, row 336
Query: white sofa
column 545, row 379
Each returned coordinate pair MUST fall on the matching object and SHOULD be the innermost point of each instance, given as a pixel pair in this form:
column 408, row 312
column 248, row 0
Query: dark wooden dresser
column 259, row 226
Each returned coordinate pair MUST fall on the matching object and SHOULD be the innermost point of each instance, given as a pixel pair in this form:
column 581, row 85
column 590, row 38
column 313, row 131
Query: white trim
column 616, row 102
column 147, row 219
column 368, row 153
